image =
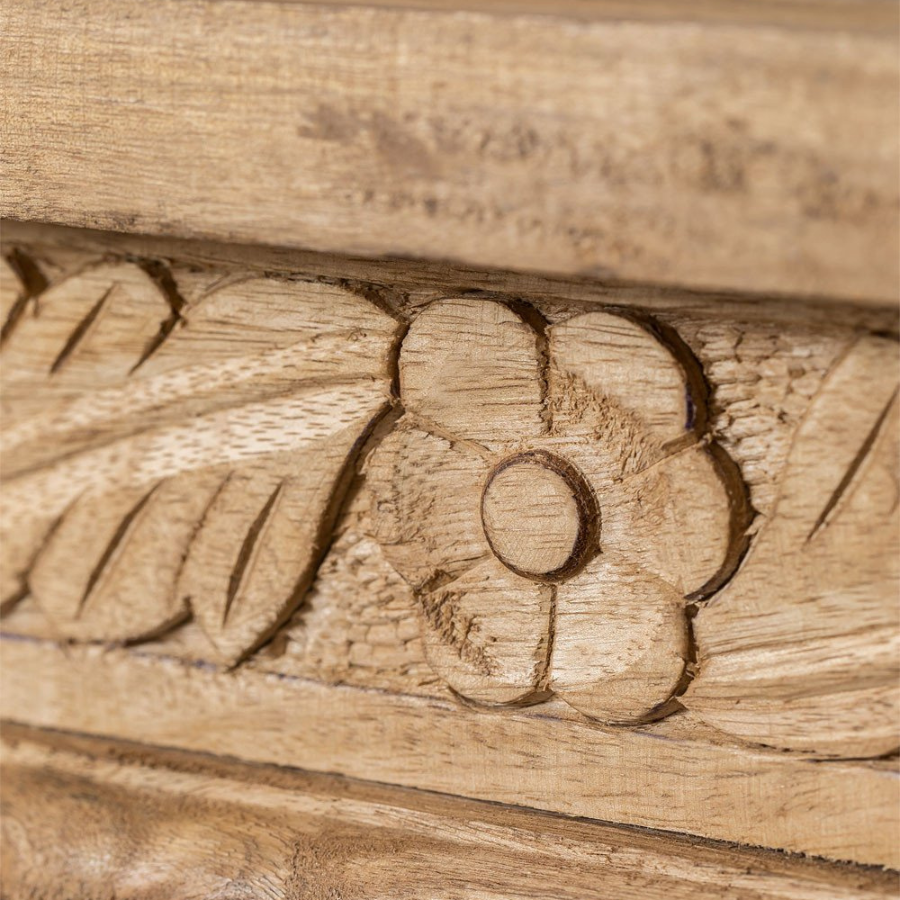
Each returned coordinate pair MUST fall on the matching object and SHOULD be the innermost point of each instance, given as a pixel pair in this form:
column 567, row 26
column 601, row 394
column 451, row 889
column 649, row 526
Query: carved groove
column 28, row 283
column 121, row 534
column 244, row 559
column 163, row 279
column 854, row 467
column 79, row 333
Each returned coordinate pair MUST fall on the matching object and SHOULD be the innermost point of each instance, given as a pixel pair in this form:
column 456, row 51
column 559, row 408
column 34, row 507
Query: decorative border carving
column 167, row 456
column 163, row 460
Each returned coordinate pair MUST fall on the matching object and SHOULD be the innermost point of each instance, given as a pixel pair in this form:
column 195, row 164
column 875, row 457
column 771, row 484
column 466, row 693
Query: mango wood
column 671, row 778
column 720, row 147
column 87, row 818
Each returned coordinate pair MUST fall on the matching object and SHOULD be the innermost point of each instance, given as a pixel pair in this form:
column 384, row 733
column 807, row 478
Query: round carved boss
column 540, row 516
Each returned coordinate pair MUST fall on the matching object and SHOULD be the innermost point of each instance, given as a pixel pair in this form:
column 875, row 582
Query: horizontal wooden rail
column 179, row 825
column 740, row 146
column 837, row 809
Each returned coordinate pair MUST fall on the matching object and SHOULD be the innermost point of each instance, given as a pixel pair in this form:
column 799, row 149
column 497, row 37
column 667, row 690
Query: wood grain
column 674, row 777
column 719, row 146
column 801, row 649
column 85, row 818
column 198, row 450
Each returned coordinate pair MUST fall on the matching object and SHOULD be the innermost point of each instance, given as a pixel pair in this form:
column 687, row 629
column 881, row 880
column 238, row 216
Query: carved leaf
column 109, row 551
column 267, row 525
column 200, row 471
column 801, row 649
column 83, row 334
column 20, row 280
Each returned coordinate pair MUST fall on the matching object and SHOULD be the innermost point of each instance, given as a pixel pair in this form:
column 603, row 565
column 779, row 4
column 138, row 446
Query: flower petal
column 487, row 634
column 425, row 494
column 629, row 366
column 473, row 368
column 683, row 519
column 620, row 644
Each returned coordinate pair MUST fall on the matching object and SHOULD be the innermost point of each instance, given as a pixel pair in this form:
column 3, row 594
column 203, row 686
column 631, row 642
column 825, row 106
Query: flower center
column 539, row 515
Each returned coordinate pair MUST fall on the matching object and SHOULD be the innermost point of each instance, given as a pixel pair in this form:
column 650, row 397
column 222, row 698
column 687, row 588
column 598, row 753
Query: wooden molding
column 731, row 145
column 349, row 524
column 543, row 758
column 172, row 825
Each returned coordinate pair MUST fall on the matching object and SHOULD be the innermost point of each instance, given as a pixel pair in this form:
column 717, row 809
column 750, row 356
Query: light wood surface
column 187, row 827
column 778, row 658
column 674, row 776
column 718, row 145
column 465, row 462
column 388, row 625
column 646, row 515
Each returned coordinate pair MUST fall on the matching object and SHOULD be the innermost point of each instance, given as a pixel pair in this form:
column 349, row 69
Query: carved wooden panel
column 343, row 517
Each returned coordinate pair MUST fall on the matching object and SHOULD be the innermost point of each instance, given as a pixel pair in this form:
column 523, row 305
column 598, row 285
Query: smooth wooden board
column 665, row 779
column 85, row 818
column 716, row 147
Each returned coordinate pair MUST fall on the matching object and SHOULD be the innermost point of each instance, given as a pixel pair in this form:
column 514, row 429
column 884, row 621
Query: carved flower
column 552, row 498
